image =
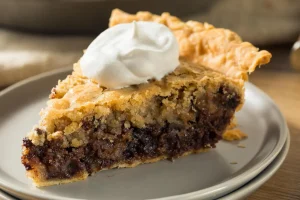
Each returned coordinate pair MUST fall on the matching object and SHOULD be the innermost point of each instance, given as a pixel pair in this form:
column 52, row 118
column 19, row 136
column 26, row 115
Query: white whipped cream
column 130, row 54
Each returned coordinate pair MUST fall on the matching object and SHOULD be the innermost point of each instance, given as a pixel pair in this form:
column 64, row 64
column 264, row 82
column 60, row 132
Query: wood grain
column 284, row 89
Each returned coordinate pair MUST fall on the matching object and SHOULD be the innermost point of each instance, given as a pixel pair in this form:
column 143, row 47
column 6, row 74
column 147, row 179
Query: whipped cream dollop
column 130, row 54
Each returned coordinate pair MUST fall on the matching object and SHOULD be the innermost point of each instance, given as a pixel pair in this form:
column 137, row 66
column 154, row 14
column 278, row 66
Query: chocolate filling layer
column 131, row 144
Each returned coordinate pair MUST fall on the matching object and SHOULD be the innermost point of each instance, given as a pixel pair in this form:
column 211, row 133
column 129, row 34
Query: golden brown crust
column 216, row 48
column 43, row 182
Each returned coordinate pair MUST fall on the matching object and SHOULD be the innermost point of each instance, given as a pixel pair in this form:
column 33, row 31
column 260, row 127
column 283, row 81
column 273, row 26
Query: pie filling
column 108, row 147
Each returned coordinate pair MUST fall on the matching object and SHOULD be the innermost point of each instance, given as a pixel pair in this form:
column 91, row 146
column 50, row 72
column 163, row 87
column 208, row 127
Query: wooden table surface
column 284, row 89
column 282, row 84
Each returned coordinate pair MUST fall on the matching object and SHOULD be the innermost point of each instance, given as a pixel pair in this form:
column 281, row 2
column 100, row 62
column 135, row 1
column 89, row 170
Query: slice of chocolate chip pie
column 87, row 127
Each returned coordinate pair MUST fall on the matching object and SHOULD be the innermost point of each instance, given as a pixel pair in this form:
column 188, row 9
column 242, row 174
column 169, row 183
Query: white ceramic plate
column 5, row 196
column 260, row 179
column 202, row 176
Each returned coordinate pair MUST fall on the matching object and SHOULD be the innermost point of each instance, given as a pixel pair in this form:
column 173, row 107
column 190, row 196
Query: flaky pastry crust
column 217, row 48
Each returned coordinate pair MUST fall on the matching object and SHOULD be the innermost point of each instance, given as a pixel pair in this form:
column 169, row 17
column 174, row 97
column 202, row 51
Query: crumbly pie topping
column 216, row 48
column 77, row 96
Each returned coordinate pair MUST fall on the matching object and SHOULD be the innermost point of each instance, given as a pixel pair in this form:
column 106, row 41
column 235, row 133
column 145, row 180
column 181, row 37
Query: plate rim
column 263, row 177
column 222, row 188
column 6, row 196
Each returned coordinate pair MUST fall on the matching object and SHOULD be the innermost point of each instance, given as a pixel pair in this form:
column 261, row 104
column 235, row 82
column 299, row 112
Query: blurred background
column 41, row 35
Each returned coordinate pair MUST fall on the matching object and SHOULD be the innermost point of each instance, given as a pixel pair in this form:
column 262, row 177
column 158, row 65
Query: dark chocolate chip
column 27, row 143
column 27, row 167
column 40, row 131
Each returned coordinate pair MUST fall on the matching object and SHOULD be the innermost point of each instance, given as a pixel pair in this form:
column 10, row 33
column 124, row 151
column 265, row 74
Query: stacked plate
column 231, row 171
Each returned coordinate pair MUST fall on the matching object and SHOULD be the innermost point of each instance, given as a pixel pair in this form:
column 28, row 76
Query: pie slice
column 86, row 128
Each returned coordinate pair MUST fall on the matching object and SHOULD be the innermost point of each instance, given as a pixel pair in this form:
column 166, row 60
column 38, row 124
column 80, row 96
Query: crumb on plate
column 241, row 146
column 235, row 134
